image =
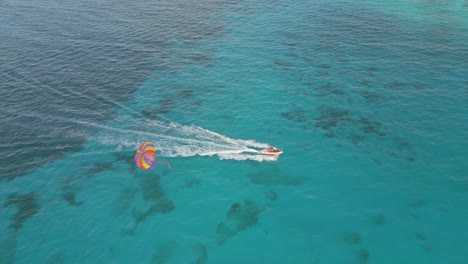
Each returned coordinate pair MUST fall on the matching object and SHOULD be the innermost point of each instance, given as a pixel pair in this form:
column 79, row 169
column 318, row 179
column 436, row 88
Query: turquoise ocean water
column 367, row 99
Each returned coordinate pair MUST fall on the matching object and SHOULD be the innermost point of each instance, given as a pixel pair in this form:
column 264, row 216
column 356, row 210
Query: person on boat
column 271, row 149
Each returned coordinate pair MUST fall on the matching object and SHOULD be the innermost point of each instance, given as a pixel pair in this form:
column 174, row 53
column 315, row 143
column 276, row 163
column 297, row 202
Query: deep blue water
column 367, row 99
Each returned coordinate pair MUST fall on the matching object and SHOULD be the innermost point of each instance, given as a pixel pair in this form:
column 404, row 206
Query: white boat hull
column 266, row 152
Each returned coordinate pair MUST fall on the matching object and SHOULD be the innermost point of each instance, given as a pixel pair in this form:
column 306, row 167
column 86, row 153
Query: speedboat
column 271, row 151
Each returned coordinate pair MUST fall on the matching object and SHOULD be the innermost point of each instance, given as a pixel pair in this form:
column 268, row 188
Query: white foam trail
column 177, row 140
column 251, row 143
column 247, row 157
column 183, row 147
column 171, row 140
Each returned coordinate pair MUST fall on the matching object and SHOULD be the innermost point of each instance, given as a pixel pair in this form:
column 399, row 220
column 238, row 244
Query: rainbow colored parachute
column 145, row 156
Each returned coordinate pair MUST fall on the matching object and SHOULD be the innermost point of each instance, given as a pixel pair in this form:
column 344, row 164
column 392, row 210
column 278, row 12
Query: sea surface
column 367, row 99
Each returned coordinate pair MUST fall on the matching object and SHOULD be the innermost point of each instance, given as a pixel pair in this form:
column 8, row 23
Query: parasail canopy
column 145, row 156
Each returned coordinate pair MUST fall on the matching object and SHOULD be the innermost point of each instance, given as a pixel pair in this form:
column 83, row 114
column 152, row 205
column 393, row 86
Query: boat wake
column 176, row 140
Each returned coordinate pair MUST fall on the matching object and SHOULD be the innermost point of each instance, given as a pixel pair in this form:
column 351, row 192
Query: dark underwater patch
column 419, row 203
column 371, row 96
column 151, row 113
column 8, row 248
column 329, row 134
column 419, row 87
column 379, row 220
column 70, row 198
column 128, row 159
column 352, row 239
column 405, row 151
column 336, row 121
column 238, row 218
column 427, row 247
column 186, row 93
column 325, row 66
column 296, row 115
column 189, row 183
column 202, row 58
column 201, row 253
column 394, row 85
column 371, row 126
column 307, row 58
column 165, row 105
column 416, row 216
column 292, row 40
column 322, row 74
column 164, row 207
column 357, row 138
column 362, row 255
column 271, row 195
column 154, row 195
column 100, row 167
column 29, row 146
column 283, row 64
column 328, row 90
column 401, row 144
column 27, row 206
column 68, row 189
column 329, row 117
column 151, row 188
column 420, row 237
column 164, row 252
column 124, row 200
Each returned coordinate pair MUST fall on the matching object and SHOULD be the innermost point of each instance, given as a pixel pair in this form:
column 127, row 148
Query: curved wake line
column 187, row 141
column 171, row 139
